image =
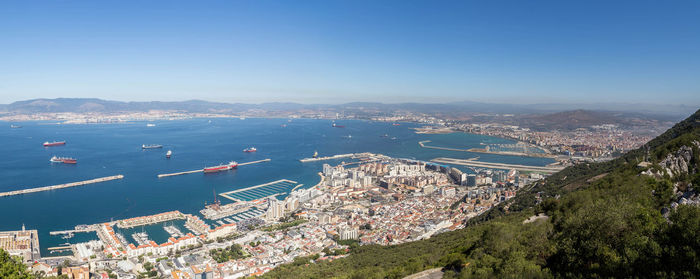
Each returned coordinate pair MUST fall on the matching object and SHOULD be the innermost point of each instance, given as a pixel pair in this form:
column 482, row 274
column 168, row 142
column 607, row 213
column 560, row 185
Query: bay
column 110, row 149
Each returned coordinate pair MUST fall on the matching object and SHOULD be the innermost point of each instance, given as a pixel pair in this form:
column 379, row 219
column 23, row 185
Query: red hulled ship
column 65, row 160
column 230, row 165
column 54, row 143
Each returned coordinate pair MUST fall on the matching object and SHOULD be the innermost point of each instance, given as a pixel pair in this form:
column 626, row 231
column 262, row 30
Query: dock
column 73, row 231
column 339, row 156
column 201, row 170
column 59, row 248
column 150, row 219
column 61, row 186
column 480, row 164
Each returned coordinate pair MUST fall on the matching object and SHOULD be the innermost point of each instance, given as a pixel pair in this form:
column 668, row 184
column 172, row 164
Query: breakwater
column 61, row 186
column 201, row 170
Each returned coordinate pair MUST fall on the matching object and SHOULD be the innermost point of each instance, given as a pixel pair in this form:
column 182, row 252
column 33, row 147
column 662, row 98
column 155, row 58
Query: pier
column 201, row 170
column 479, row 164
column 90, row 229
column 61, row 186
column 151, row 219
column 339, row 156
column 68, row 247
column 273, row 188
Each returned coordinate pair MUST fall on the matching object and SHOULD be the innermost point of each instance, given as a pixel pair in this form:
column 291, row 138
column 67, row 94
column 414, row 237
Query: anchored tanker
column 230, row 165
column 151, row 146
column 65, row 160
column 54, row 143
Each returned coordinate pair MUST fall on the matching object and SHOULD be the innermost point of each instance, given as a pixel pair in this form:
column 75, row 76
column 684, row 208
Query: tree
column 11, row 267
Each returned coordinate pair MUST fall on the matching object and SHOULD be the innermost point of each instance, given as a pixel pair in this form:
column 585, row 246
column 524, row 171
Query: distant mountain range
column 82, row 105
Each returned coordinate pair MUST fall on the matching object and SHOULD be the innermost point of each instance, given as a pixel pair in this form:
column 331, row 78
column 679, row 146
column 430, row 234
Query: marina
column 260, row 191
column 141, row 238
column 218, row 211
column 173, row 231
column 201, row 170
column 61, row 186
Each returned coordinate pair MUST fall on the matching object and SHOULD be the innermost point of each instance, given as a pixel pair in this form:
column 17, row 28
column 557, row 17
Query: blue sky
column 340, row 51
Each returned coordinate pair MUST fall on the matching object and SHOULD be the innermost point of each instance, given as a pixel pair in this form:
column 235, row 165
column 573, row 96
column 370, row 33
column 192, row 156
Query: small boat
column 150, row 125
column 338, row 126
column 393, row 138
column 54, row 143
column 15, row 126
column 385, row 135
column 168, row 154
column 315, row 154
column 65, row 160
column 250, row 149
column 348, row 136
column 396, row 124
column 283, row 125
column 151, row 146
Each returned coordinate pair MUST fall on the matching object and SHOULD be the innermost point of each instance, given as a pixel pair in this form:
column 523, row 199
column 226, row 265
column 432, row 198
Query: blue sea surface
column 111, row 149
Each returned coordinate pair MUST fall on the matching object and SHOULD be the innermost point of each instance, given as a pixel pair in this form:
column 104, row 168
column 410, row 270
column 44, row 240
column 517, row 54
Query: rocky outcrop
column 675, row 164
column 679, row 161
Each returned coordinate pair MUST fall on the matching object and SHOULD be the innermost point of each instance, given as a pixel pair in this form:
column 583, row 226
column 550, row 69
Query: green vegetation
column 604, row 221
column 232, row 252
column 12, row 267
column 285, row 225
column 222, row 239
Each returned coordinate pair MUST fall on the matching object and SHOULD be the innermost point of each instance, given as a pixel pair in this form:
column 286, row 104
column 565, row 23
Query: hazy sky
column 338, row 51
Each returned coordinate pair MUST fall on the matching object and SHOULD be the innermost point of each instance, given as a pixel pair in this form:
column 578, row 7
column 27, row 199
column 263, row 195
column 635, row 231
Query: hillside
column 534, row 115
column 614, row 219
column 569, row 120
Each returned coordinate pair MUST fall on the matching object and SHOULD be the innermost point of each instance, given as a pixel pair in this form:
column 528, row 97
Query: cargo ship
column 250, row 149
column 65, row 160
column 168, row 154
column 229, row 166
column 54, row 143
column 151, row 146
column 338, row 126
